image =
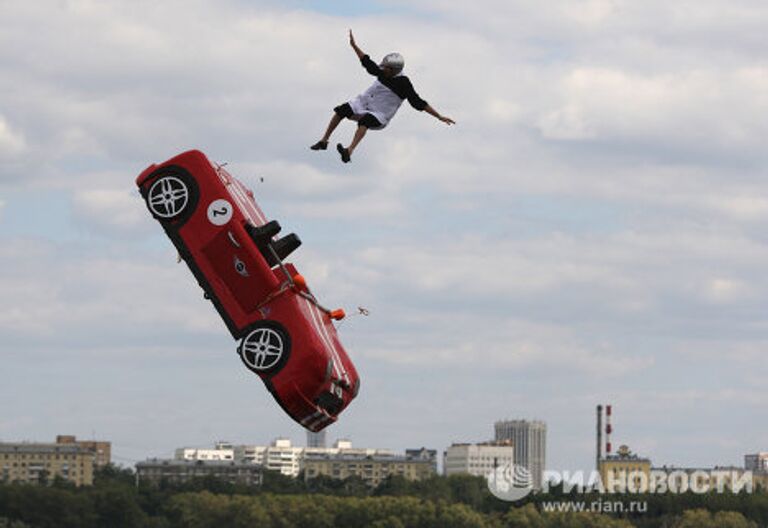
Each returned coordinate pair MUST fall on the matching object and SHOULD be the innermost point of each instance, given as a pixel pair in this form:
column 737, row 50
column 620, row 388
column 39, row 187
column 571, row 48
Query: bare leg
column 335, row 120
column 359, row 134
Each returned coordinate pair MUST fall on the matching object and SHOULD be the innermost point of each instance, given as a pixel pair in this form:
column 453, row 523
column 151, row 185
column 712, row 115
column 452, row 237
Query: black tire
column 265, row 348
column 172, row 195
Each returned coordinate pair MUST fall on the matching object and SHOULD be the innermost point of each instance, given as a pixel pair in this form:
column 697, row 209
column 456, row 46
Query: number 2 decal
column 219, row 212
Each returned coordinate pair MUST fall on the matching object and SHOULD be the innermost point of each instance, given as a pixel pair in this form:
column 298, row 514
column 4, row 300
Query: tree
column 44, row 477
column 276, row 482
column 469, row 489
column 117, row 507
column 8, row 523
column 112, row 474
column 394, row 485
column 701, row 518
column 524, row 517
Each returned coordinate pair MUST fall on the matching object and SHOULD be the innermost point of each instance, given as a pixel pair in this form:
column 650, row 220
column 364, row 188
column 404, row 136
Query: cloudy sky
column 591, row 230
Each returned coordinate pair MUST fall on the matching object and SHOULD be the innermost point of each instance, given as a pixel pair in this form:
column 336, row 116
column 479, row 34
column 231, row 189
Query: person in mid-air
column 374, row 108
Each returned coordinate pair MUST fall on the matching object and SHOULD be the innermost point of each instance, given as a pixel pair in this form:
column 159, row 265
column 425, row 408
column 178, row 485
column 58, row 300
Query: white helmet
column 394, row 61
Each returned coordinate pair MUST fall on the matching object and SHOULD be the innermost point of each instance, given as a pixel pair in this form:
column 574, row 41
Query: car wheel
column 265, row 349
column 168, row 197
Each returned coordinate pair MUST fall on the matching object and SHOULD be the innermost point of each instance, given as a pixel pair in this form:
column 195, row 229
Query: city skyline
column 530, row 450
column 591, row 229
column 78, row 460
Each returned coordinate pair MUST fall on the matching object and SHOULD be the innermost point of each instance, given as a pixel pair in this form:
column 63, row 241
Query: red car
column 286, row 337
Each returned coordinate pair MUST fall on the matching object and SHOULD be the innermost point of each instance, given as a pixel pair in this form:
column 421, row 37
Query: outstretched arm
column 365, row 60
column 360, row 53
column 447, row 120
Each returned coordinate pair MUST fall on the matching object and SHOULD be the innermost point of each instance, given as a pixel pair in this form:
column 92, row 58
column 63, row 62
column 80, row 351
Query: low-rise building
column 221, row 451
column 252, row 454
column 423, row 453
column 624, row 471
column 37, row 463
column 478, row 459
column 373, row 469
column 155, row 472
column 344, row 446
column 288, row 459
column 102, row 451
column 757, row 462
column 279, row 456
column 282, row 456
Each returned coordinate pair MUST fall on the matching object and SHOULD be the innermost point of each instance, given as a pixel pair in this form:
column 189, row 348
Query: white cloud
column 115, row 211
column 708, row 108
column 742, row 206
column 499, row 109
column 568, row 122
column 300, row 180
column 12, row 143
column 593, row 13
column 465, row 340
column 85, row 294
column 726, row 290
column 497, row 86
column 620, row 269
column 596, row 208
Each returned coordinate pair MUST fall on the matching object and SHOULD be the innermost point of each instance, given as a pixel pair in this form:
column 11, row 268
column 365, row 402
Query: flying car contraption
column 286, row 336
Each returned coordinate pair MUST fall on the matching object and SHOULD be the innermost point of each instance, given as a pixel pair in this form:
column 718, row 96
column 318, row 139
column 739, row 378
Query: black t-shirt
column 400, row 84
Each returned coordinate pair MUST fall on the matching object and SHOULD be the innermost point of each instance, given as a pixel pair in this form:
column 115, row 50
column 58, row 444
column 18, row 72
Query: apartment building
column 37, row 463
column 155, row 472
column 478, row 459
column 416, row 464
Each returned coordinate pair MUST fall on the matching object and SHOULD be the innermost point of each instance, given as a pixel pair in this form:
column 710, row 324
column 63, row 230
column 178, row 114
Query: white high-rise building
column 280, row 455
column 477, row 459
column 343, row 446
column 221, row 451
column 283, row 457
column 529, row 438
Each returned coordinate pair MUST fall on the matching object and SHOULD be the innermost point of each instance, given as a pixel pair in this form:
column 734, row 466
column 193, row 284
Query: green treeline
column 441, row 502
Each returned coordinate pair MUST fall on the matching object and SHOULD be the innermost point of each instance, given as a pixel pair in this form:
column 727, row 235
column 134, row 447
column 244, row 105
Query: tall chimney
column 608, row 430
column 599, row 436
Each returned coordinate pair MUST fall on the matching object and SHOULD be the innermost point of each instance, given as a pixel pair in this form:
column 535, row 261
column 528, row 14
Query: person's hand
column 447, row 120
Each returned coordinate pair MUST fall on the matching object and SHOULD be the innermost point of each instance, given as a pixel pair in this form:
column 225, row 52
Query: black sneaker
column 345, row 157
column 320, row 145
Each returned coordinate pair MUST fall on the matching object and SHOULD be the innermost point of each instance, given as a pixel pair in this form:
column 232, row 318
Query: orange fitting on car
column 338, row 314
column 300, row 281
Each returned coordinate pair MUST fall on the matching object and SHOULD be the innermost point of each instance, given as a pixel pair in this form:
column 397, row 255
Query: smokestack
column 608, row 430
column 599, row 436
